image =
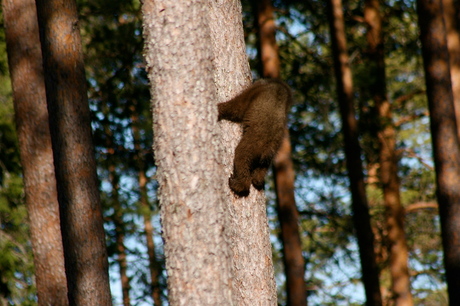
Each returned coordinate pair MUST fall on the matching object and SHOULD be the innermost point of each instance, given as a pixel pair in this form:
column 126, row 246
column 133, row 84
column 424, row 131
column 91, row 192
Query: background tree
column 446, row 145
column 25, row 63
column 69, row 118
column 388, row 158
column 450, row 14
column 283, row 168
column 361, row 216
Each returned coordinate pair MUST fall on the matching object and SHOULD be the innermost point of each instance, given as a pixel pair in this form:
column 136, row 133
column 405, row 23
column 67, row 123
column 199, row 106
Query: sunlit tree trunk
column 394, row 211
column 361, row 217
column 253, row 280
column 446, row 146
column 283, row 168
column 217, row 246
column 450, row 13
column 80, row 211
column 192, row 200
column 26, row 70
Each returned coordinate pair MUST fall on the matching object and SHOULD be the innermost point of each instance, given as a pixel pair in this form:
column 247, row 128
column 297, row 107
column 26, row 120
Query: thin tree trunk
column 154, row 265
column 119, row 235
column 252, row 272
column 26, row 70
column 117, row 217
column 81, row 217
column 288, row 216
column 394, row 211
column 450, row 13
column 446, row 146
column 361, row 216
column 266, row 30
column 192, row 201
column 283, row 168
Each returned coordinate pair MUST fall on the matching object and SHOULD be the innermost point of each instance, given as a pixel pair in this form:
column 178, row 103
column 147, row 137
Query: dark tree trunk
column 446, row 147
column 283, row 168
column 394, row 216
column 81, row 218
column 361, row 217
column 26, row 70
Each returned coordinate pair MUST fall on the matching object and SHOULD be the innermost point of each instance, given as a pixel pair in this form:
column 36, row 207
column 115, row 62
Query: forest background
column 121, row 121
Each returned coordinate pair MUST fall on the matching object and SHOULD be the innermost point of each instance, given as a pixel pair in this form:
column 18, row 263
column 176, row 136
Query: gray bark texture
column 217, row 246
column 186, row 146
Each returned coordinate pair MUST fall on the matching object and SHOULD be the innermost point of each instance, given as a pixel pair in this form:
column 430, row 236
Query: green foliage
column 16, row 265
column 16, row 280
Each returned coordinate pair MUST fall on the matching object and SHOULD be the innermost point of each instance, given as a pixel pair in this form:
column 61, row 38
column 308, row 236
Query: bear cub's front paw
column 239, row 186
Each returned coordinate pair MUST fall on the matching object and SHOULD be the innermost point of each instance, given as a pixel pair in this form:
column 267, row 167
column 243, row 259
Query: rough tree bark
column 217, row 246
column 26, row 70
column 194, row 217
column 283, row 168
column 446, row 146
column 252, row 271
column 361, row 217
column 81, row 218
column 389, row 180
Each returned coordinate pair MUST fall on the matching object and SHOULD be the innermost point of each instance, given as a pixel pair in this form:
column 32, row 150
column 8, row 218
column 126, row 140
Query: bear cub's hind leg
column 240, row 181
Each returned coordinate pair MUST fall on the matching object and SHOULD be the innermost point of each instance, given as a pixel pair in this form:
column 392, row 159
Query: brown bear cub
column 262, row 109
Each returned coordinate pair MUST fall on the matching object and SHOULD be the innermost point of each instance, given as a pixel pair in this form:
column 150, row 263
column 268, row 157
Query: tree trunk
column 394, row 211
column 214, row 241
column 446, row 147
column 288, row 216
column 252, row 272
column 26, row 70
column 361, row 217
column 81, row 218
column 450, row 13
column 154, row 265
column 283, row 168
column 117, row 219
column 192, row 200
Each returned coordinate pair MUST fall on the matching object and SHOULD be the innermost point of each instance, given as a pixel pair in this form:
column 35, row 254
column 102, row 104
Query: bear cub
column 262, row 110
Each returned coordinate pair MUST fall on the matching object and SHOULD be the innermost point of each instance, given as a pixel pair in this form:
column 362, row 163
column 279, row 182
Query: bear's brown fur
column 262, row 109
